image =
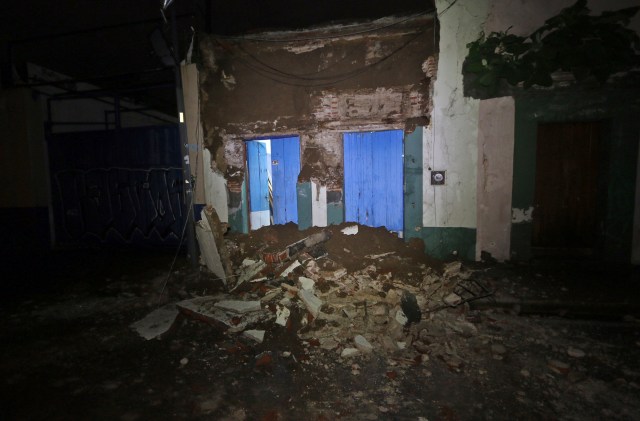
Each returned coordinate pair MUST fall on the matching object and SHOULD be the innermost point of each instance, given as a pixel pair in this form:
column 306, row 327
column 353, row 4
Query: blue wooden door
column 259, row 168
column 373, row 178
column 285, row 167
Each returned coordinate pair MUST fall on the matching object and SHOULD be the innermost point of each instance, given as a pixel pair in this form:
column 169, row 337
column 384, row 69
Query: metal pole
column 184, row 146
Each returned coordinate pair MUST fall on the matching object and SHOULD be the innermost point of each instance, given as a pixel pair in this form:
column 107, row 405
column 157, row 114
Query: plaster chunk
column 310, row 300
column 240, row 307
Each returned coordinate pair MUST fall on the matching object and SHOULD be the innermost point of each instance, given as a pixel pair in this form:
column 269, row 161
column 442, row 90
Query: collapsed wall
column 316, row 84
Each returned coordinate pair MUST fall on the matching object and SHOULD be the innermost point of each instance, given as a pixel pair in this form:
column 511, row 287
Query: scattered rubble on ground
column 352, row 290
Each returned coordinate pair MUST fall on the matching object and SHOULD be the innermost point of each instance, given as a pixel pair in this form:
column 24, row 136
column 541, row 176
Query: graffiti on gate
column 119, row 205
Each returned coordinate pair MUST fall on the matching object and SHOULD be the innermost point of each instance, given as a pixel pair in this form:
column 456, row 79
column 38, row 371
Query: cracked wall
column 317, row 84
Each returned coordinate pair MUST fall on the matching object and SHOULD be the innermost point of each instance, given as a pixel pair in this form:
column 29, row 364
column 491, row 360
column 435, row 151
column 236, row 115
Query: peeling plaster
column 305, row 47
column 521, row 215
column 450, row 142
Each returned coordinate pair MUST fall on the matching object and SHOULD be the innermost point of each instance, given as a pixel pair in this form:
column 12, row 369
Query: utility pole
column 184, row 147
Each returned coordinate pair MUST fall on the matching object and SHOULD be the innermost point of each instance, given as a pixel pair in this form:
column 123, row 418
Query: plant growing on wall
column 573, row 41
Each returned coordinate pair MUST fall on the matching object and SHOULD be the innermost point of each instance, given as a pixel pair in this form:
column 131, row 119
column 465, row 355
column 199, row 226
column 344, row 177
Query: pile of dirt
column 348, row 251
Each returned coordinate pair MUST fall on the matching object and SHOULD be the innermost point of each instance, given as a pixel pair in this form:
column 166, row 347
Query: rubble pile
column 324, row 290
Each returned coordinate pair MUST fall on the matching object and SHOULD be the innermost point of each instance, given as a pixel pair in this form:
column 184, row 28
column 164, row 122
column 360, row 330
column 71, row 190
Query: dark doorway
column 273, row 166
column 567, row 196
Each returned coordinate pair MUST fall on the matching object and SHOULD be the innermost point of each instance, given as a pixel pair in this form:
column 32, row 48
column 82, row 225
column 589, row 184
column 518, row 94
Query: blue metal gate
column 117, row 187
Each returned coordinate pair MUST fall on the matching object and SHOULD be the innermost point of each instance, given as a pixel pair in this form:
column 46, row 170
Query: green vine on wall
column 573, row 41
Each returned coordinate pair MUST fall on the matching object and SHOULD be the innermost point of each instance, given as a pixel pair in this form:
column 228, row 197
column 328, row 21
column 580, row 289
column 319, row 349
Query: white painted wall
column 496, row 133
column 215, row 187
column 450, row 142
column 318, row 205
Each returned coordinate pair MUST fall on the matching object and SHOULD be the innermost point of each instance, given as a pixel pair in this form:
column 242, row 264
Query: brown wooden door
column 565, row 218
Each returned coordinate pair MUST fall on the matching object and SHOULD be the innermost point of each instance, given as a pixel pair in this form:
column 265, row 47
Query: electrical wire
column 303, row 76
column 447, row 8
column 280, row 76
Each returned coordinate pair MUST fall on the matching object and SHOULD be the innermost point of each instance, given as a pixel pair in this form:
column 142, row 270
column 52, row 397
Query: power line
column 280, row 76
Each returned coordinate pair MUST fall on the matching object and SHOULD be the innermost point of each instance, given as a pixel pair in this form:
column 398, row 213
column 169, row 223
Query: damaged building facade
column 313, row 94
column 370, row 123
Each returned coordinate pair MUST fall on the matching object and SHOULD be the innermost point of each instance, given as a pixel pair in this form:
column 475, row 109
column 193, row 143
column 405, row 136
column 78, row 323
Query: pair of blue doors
column 373, row 179
column 274, row 165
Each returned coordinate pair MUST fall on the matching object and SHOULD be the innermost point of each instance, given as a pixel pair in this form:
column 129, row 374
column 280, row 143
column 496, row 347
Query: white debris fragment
column 156, row 323
column 401, row 317
column 310, row 300
column 306, row 283
column 362, row 344
column 453, row 299
column 256, row 335
column 290, row 269
column 250, row 271
column 248, row 262
column 349, row 352
column 237, row 306
column 184, row 361
column 282, row 315
column 451, row 269
column 377, row 256
column 210, row 253
column 328, row 343
column 350, row 230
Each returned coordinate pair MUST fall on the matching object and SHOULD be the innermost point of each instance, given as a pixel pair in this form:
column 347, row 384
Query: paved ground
column 68, row 351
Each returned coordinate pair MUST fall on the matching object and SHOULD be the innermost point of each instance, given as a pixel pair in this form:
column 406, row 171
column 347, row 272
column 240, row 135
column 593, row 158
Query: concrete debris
column 205, row 309
column 306, row 283
column 247, row 273
column 452, row 269
column 248, row 262
column 452, row 299
column 282, row 315
column 156, row 323
column 290, row 269
column 311, row 301
column 218, row 230
column 401, row 318
column 362, row 344
column 209, row 248
column 256, row 335
column 329, row 343
column 293, row 249
column 349, row 352
column 350, row 230
column 378, row 256
column 239, row 307
column 333, row 275
column 330, row 306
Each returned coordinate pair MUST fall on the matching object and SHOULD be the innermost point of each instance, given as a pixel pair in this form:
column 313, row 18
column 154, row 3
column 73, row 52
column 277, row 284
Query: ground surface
column 68, row 351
